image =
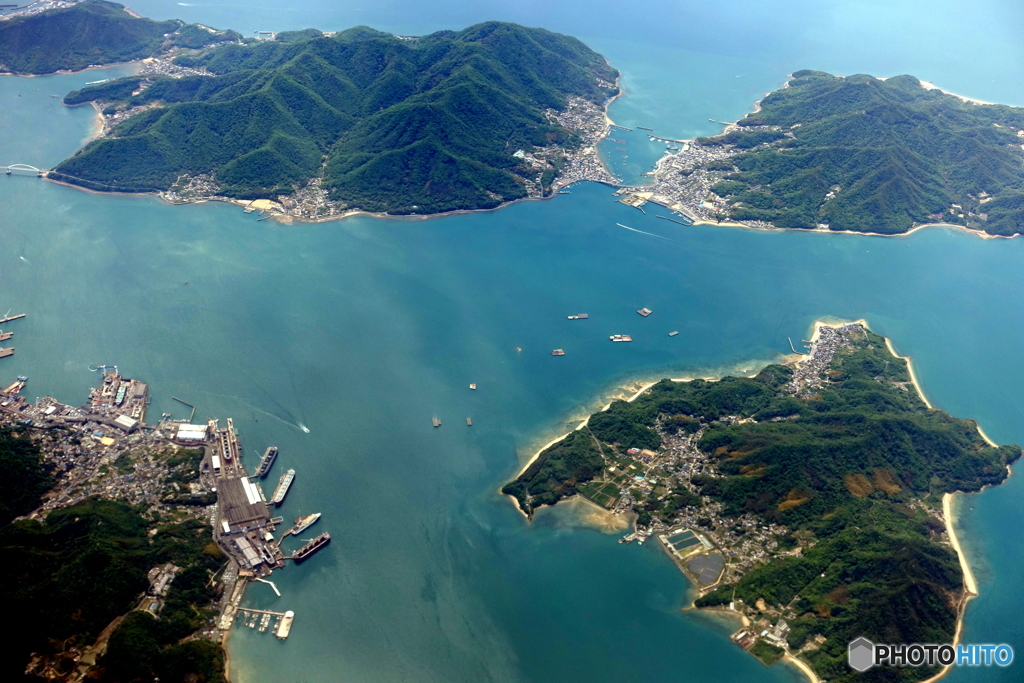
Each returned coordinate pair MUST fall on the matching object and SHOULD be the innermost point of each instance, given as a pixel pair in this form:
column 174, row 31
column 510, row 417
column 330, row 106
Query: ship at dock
column 266, row 462
column 305, row 551
column 303, row 523
column 282, row 487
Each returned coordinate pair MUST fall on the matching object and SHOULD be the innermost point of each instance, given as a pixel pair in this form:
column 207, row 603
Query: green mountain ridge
column 406, row 126
column 91, row 33
column 863, row 154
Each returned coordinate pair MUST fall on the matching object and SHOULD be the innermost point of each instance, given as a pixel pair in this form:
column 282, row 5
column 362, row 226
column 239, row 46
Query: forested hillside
column 70, row 575
column 405, row 125
column 853, row 468
column 870, row 155
column 92, row 33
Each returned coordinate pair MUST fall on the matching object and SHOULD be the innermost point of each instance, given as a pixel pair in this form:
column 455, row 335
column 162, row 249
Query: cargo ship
column 621, row 338
column 266, row 462
column 282, row 487
column 6, row 352
column 311, row 547
column 303, row 523
column 285, row 627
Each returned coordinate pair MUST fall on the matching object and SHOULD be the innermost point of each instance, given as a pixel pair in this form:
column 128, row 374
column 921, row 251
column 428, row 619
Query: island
column 92, row 33
column 811, row 500
column 317, row 125
column 852, row 154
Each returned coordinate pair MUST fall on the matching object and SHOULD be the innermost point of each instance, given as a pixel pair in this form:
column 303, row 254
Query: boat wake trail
column 642, row 232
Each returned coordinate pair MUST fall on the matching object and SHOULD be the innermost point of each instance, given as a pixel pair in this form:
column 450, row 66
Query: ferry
column 303, row 523
column 266, row 462
column 282, row 487
column 621, row 338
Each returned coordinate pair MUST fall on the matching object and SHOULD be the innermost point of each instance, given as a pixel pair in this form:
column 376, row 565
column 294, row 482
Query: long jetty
column 189, row 405
column 11, row 317
column 655, row 137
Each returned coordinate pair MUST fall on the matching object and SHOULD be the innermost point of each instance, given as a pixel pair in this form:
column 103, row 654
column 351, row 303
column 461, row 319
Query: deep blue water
column 362, row 330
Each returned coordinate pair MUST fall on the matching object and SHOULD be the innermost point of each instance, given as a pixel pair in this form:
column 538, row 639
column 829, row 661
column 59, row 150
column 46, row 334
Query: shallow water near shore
column 360, row 331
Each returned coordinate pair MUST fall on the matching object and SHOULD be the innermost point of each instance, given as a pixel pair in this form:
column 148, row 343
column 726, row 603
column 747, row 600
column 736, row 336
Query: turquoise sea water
column 360, row 331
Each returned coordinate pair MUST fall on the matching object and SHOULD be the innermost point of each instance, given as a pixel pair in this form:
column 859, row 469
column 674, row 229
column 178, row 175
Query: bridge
column 24, row 167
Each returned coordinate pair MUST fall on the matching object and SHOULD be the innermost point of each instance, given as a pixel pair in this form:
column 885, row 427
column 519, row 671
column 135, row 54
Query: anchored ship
column 282, row 487
column 311, row 547
column 303, row 523
column 266, row 462
column 285, row 627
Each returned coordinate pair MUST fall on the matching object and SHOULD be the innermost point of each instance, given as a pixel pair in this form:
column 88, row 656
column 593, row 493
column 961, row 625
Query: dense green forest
column 843, row 469
column 25, row 478
column 70, row 575
column 406, row 126
column 91, row 33
column 869, row 155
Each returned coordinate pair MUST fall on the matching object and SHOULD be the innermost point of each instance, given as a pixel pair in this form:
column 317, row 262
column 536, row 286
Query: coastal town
column 173, row 471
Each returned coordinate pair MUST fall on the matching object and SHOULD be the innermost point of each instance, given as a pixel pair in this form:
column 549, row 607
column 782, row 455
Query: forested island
column 858, row 154
column 84, row 581
column 357, row 120
column 93, row 33
column 808, row 498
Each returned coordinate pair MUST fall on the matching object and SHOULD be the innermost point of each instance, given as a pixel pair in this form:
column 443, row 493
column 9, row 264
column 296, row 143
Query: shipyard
column 105, row 450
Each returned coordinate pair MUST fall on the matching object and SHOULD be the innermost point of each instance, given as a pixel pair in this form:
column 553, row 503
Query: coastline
column 970, row 589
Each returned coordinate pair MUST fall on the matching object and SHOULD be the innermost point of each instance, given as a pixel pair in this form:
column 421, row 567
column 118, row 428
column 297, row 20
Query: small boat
column 472, row 386
column 436, row 422
column 469, row 422
column 558, row 352
column 579, row 316
column 645, row 312
column 672, row 334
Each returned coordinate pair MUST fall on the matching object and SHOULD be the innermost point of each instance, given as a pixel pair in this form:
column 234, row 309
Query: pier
column 674, row 220
column 262, row 617
column 187, row 404
column 655, row 137
column 10, row 317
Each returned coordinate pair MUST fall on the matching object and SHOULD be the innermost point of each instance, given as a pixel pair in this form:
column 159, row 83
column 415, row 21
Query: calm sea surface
column 340, row 341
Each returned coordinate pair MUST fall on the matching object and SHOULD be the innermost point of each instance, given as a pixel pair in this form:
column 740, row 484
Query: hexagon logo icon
column 861, row 654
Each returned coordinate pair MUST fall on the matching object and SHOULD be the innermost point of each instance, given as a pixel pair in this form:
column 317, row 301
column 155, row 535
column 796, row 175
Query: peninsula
column 92, row 33
column 808, row 499
column 853, row 154
column 316, row 125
